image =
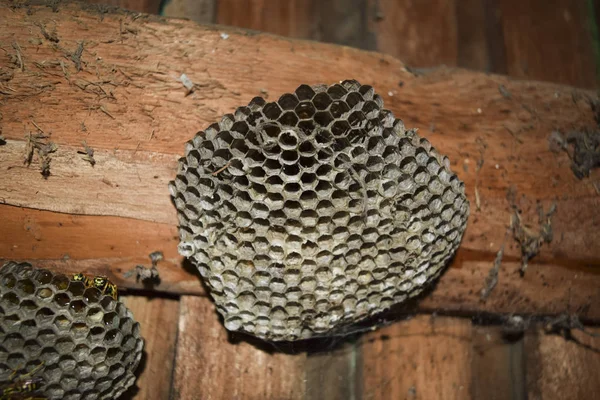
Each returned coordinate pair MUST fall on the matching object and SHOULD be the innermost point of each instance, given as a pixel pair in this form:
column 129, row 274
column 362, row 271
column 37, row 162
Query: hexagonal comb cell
column 315, row 211
column 55, row 331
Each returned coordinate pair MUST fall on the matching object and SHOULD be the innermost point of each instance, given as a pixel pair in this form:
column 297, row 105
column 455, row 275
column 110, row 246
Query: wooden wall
column 555, row 41
column 189, row 355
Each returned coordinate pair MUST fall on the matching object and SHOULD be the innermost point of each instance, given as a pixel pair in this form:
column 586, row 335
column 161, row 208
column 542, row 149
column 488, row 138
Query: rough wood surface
column 421, row 33
column 128, row 103
column 560, row 369
column 202, row 11
column 158, row 319
column 209, row 366
column 333, row 373
column 497, row 364
column 550, row 42
column 292, row 18
column 430, row 356
column 145, row 6
column 472, row 52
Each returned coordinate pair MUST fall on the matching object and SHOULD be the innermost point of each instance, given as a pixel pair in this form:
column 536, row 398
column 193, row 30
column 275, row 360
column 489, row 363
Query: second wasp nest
column 313, row 212
column 69, row 341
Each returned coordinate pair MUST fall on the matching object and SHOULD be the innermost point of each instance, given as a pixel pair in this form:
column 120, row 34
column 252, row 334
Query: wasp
column 101, row 283
column 23, row 387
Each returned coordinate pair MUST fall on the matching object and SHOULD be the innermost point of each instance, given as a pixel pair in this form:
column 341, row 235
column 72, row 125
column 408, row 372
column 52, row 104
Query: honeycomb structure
column 310, row 213
column 84, row 345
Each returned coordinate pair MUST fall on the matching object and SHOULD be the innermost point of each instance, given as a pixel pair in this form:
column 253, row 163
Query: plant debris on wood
column 492, row 279
column 583, row 148
column 482, row 147
column 530, row 239
column 76, row 56
column 37, row 143
column 51, row 36
column 18, row 58
column 147, row 275
column 504, row 92
column 88, row 154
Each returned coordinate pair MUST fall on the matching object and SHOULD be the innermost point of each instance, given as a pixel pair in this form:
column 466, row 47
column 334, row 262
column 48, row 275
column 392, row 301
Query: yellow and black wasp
column 22, row 387
column 101, row 283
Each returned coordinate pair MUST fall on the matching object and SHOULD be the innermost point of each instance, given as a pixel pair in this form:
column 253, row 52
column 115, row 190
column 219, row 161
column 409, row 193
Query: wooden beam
column 128, row 103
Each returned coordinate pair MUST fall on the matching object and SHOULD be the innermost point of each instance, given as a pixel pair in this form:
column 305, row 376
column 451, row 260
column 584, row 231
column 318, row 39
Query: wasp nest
column 315, row 211
column 72, row 341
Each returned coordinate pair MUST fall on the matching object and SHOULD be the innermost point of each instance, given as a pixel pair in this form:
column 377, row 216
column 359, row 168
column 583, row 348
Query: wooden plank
column 150, row 118
column 332, row 370
column 498, row 365
column 540, row 38
column 209, row 366
column 158, row 318
column 430, row 358
column 420, row 33
column 144, row 6
column 562, row 369
column 345, row 22
column 494, row 34
column 471, row 40
column 119, row 183
column 292, row 18
column 202, row 11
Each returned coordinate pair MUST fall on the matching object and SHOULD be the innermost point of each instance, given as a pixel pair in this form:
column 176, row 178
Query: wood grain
column 158, row 321
column 420, row 33
column 292, row 18
column 332, row 373
column 209, row 366
column 540, row 37
column 202, row 11
column 137, row 117
column 471, row 40
column 100, row 245
column 497, row 365
column 561, row 369
column 430, row 358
